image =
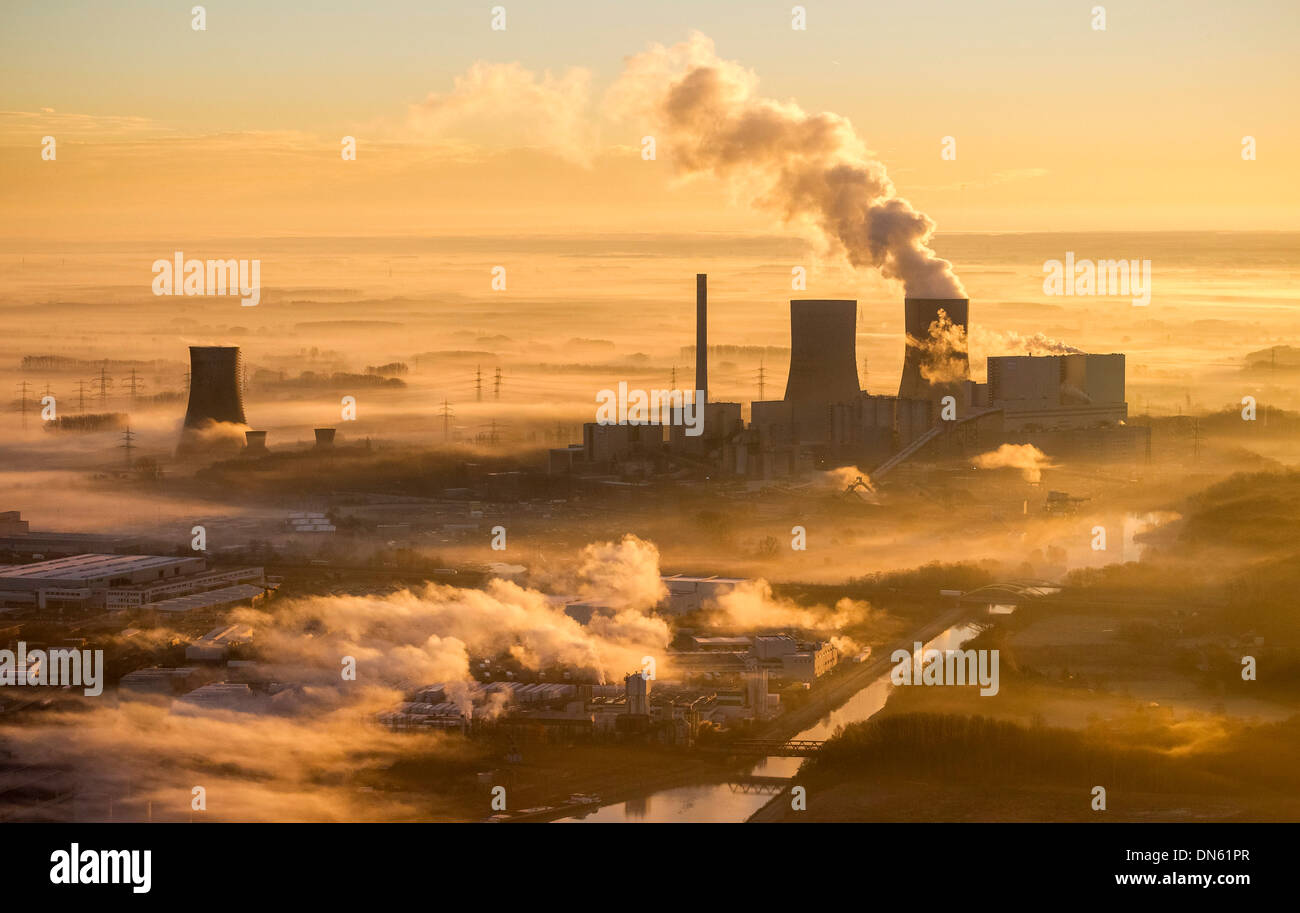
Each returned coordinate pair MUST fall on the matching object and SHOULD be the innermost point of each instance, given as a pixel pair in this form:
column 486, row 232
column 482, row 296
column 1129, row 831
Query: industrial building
column 779, row 656
column 85, row 583
column 1069, row 403
column 1043, row 392
column 17, row 536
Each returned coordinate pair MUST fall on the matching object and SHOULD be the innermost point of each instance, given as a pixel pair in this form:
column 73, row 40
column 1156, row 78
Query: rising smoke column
column 807, row 168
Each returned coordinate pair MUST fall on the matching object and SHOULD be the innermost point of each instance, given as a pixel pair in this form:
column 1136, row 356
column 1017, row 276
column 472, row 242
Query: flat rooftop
column 189, row 603
column 89, row 567
column 683, row 578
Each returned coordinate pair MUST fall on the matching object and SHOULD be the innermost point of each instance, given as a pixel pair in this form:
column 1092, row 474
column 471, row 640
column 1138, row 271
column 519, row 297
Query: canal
column 725, row 802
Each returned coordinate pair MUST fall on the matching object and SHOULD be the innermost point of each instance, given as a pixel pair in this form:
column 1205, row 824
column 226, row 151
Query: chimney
column 702, row 336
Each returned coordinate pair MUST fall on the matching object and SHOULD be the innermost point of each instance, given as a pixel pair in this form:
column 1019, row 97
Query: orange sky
column 165, row 132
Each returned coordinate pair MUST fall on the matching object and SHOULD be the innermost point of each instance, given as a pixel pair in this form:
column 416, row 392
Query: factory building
column 18, row 537
column 83, row 583
column 1044, row 392
column 689, row 594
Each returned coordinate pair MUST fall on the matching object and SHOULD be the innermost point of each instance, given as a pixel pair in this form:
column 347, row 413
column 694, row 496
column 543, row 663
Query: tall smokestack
column 936, row 360
column 702, row 336
column 214, row 386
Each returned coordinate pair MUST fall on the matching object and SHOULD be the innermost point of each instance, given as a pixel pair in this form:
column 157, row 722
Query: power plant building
column 1066, row 402
column 1046, row 392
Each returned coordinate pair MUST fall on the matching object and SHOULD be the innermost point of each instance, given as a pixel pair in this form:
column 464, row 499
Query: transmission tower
column 478, row 383
column 104, row 383
column 447, row 415
column 133, row 385
column 496, row 385
column 128, row 444
column 22, row 404
column 81, row 396
column 762, row 379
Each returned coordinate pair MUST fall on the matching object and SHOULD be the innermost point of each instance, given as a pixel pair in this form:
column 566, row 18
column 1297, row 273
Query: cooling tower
column 214, row 386
column 255, row 441
column 324, row 438
column 823, row 352
column 934, row 364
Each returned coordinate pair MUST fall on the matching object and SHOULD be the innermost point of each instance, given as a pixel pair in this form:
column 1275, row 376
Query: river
column 724, row 802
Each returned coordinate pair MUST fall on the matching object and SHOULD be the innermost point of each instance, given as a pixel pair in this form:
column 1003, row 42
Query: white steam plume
column 808, row 168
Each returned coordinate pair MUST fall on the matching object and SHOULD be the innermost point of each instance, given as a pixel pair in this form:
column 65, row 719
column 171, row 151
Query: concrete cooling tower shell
column 214, row 386
column 823, row 351
column 947, row 368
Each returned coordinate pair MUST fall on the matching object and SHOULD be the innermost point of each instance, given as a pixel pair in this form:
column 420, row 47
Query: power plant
column 1060, row 403
column 214, row 386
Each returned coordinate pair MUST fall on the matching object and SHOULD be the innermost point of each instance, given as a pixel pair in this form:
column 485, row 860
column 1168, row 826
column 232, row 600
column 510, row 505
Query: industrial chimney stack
column 702, row 336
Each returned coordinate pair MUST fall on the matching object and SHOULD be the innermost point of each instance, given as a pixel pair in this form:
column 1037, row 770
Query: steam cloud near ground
column 293, row 760
column 1026, row 457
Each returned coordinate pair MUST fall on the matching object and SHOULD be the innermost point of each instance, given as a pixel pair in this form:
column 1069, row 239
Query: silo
column 934, row 365
column 214, row 386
